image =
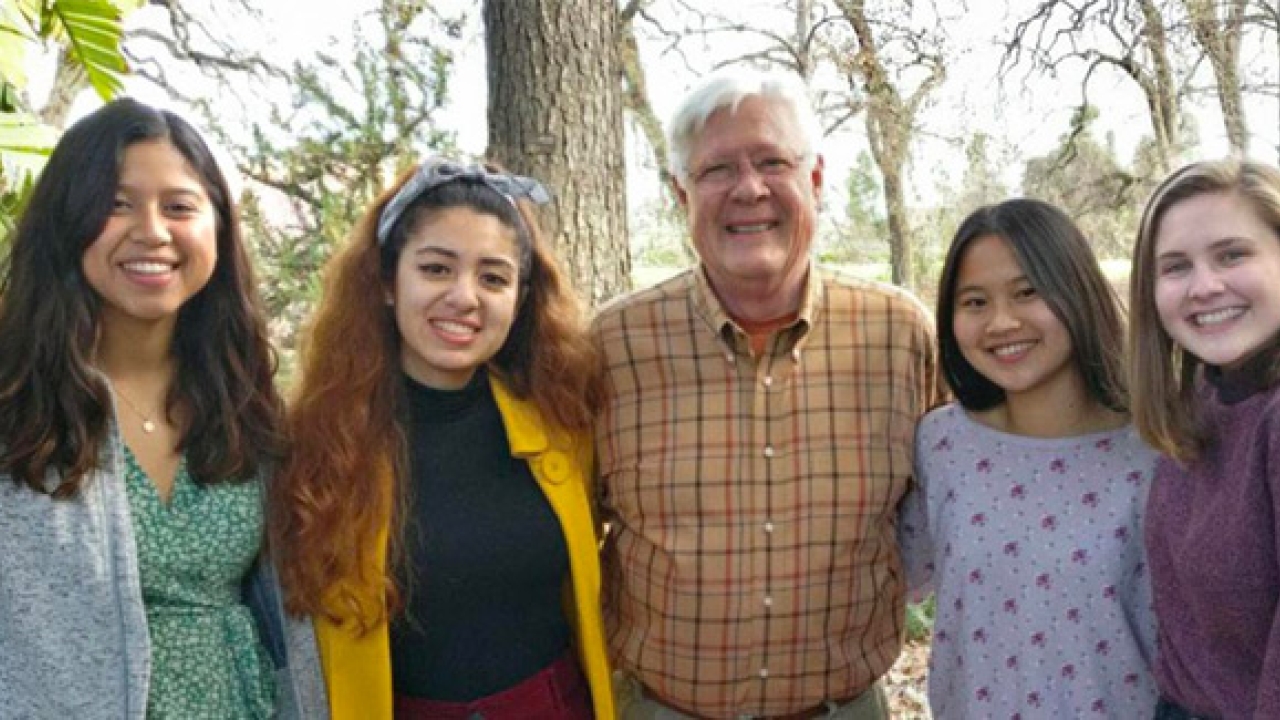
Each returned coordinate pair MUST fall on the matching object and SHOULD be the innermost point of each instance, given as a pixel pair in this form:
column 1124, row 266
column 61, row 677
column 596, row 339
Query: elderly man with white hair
column 756, row 438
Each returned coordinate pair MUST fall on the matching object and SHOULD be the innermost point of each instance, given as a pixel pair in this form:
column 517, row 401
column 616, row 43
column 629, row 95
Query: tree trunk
column 806, row 63
column 69, row 80
column 890, row 129
column 1220, row 40
column 901, row 262
column 555, row 113
column 1162, row 93
column 636, row 99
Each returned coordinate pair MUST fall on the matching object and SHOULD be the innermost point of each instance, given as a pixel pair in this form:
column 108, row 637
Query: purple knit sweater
column 1213, row 540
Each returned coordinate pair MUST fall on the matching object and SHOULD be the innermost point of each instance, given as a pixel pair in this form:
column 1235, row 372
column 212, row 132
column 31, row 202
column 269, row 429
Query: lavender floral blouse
column 1034, row 549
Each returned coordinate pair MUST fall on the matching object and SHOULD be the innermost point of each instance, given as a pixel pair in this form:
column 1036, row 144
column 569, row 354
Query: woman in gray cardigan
column 137, row 424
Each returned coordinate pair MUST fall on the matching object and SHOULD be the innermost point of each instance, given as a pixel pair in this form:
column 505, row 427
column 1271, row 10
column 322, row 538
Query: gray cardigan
column 73, row 631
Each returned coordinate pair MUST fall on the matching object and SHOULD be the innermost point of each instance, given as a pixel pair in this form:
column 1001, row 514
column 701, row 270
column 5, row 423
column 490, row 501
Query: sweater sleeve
column 914, row 537
column 1269, row 679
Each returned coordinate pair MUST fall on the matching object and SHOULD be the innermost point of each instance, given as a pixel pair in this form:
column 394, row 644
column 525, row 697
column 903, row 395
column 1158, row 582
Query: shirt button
column 728, row 357
column 764, row 673
column 768, row 527
column 795, row 355
column 768, row 601
column 768, row 381
column 768, row 451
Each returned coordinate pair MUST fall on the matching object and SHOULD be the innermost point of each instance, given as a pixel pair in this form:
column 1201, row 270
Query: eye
column 120, row 204
column 1026, row 292
column 774, row 166
column 181, row 208
column 1232, row 255
column 715, row 173
column 433, row 270
column 971, row 302
column 495, row 280
column 1173, row 268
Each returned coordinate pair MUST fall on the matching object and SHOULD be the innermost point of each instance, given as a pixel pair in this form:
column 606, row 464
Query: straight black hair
column 1061, row 266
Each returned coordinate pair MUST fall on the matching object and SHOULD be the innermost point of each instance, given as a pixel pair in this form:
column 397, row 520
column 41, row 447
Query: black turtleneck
column 486, row 554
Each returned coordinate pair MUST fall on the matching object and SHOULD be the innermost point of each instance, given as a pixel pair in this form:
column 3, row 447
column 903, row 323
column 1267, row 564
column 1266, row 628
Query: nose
column 748, row 184
column 462, row 294
column 1204, row 283
column 1003, row 320
column 150, row 227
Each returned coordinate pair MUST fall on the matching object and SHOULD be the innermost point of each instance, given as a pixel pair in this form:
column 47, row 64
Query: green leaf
column 25, row 143
column 12, row 200
column 16, row 34
column 93, row 32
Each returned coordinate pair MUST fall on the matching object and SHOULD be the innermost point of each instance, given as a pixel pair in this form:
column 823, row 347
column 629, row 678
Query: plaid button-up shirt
column 751, row 566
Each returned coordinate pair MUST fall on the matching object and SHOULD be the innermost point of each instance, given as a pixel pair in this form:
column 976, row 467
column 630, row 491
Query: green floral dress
column 206, row 658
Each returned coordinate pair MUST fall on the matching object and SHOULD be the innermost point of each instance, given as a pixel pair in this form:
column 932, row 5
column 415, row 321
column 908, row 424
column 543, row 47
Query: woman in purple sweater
column 1205, row 383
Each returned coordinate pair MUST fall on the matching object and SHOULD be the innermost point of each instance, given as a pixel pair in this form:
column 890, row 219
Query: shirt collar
column 707, row 305
column 1253, row 376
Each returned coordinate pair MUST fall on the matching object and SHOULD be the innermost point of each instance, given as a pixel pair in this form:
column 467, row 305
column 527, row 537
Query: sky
column 1027, row 122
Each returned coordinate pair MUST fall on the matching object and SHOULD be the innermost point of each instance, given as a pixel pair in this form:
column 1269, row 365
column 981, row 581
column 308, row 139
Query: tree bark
column 1132, row 37
column 636, row 98
column 1220, row 40
column 1161, row 92
column 890, row 128
column 555, row 113
column 69, row 80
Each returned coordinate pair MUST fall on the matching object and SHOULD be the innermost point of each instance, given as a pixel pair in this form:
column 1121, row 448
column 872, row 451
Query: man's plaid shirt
column 751, row 566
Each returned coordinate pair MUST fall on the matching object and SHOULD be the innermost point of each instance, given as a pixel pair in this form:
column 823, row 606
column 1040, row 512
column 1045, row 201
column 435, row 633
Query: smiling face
column 455, row 292
column 158, row 247
column 751, row 198
column 1004, row 328
column 1217, row 286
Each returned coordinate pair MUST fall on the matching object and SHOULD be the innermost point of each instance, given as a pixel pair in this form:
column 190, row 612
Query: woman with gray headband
column 435, row 515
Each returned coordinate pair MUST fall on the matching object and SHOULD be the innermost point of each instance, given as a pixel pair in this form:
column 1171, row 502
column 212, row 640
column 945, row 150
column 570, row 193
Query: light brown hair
column 1162, row 375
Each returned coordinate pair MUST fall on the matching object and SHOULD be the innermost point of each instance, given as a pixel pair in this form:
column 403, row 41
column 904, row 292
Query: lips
column 454, row 327
column 148, row 267
column 1216, row 317
column 749, row 228
column 1011, row 350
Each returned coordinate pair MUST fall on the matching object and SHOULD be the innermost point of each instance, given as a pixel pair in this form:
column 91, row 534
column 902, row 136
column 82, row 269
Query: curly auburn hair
column 339, row 501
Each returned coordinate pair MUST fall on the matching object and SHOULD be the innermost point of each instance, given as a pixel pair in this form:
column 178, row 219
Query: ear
column 682, row 195
column 815, row 176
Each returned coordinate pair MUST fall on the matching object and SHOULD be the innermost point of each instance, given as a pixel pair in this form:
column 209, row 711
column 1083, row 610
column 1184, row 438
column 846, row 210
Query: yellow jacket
column 358, row 669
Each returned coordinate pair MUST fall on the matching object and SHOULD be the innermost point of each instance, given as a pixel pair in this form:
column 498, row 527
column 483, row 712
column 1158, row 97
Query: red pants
column 556, row 692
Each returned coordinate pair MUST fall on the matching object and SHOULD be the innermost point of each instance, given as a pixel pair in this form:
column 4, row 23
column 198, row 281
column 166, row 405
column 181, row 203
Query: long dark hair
column 1062, row 268
column 54, row 406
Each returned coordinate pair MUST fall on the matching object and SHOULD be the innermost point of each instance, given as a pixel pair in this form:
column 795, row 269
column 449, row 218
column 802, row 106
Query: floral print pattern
column 1034, row 549
column 207, row 660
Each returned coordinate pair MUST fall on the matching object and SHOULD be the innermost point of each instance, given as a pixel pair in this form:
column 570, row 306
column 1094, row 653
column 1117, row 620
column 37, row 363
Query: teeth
column 454, row 327
column 1011, row 350
column 1217, row 316
column 758, row 227
column 148, row 268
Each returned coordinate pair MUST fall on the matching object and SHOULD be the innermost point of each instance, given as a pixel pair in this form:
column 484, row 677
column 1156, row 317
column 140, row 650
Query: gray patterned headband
column 434, row 172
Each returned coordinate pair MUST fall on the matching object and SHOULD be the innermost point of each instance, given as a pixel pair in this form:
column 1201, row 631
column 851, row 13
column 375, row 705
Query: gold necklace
column 148, row 425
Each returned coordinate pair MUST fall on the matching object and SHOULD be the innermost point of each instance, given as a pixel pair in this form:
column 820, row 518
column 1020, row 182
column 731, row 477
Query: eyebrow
column 453, row 254
column 1215, row 245
column 193, row 191
column 1019, row 279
